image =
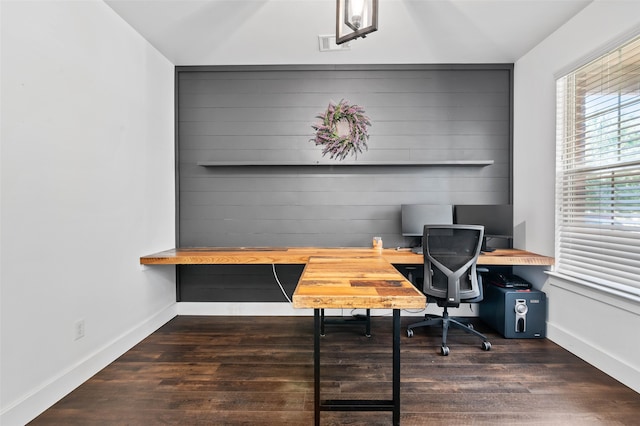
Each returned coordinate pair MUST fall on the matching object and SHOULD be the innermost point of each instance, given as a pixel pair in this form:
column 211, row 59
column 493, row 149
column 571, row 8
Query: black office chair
column 451, row 276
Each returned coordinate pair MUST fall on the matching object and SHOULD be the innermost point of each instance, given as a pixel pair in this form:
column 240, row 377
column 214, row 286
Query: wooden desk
column 342, row 278
column 301, row 255
column 502, row 257
column 355, row 282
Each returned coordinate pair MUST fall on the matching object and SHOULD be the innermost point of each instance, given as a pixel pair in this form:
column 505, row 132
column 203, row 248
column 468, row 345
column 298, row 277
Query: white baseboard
column 25, row 410
column 286, row 309
column 624, row 373
column 240, row 309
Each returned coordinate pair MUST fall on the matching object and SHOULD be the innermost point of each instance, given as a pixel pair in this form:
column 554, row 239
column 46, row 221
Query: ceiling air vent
column 328, row 43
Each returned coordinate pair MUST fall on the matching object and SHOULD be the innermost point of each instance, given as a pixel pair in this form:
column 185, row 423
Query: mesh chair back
column 450, row 256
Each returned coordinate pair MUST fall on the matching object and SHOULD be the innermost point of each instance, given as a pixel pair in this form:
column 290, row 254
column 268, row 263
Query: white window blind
column 598, row 171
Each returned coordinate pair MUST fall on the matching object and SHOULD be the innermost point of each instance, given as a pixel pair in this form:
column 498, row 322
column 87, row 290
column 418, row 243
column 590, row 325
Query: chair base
column 446, row 321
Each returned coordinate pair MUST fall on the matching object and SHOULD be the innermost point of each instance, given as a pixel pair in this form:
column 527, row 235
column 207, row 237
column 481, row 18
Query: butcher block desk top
column 301, row 255
column 354, row 282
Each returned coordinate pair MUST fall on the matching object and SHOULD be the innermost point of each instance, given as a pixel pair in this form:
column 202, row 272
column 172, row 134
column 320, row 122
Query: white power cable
column 275, row 275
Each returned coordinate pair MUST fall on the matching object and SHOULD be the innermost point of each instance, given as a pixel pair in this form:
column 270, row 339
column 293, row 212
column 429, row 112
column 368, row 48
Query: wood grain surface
column 354, row 282
column 301, row 255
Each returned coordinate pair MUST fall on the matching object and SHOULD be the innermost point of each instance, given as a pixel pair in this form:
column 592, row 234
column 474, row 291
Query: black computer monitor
column 497, row 220
column 416, row 216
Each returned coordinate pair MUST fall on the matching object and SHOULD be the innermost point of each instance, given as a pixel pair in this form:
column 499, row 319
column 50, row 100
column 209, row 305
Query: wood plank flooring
column 259, row 371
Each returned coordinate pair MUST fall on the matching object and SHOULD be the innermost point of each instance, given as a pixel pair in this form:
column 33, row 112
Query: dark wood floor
column 259, row 371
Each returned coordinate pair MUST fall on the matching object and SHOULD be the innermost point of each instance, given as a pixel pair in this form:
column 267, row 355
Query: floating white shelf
column 473, row 163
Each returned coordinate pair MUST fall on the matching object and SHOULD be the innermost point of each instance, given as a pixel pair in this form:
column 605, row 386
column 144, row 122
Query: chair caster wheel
column 470, row 326
column 409, row 332
column 486, row 346
column 444, row 350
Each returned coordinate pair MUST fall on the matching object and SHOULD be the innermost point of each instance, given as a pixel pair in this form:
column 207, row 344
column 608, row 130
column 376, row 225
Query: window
column 598, row 171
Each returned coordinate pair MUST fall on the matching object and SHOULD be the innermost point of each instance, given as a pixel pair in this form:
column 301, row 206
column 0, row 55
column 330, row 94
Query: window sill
column 627, row 298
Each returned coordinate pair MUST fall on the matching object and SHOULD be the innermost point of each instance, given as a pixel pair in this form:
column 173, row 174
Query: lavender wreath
column 338, row 144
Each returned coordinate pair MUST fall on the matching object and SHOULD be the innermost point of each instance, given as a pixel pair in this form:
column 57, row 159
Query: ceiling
column 257, row 32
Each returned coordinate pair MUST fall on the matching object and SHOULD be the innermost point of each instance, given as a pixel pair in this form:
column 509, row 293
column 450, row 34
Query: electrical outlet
column 78, row 329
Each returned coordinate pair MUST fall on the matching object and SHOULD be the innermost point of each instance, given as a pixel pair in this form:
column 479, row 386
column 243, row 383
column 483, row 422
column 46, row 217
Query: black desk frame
column 357, row 405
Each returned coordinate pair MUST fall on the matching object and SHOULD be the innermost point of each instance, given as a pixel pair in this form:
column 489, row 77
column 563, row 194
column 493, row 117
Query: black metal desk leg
column 396, row 367
column 356, row 405
column 316, row 365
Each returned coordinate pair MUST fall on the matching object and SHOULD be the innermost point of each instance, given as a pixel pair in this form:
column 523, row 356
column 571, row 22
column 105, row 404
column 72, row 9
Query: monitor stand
column 484, row 248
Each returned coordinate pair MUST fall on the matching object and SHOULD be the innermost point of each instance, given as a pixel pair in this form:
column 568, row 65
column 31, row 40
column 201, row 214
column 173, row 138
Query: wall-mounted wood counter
column 301, row 255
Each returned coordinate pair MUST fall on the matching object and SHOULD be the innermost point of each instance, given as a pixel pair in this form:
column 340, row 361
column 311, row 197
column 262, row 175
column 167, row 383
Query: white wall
column 87, row 187
column 597, row 327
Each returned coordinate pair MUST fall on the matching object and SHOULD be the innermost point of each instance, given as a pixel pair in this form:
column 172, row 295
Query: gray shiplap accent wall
column 265, row 114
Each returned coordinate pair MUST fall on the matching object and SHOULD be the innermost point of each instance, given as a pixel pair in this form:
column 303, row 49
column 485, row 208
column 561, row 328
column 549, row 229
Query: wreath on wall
column 342, row 131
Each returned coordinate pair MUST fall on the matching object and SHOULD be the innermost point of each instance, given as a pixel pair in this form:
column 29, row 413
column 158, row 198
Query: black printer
column 505, row 280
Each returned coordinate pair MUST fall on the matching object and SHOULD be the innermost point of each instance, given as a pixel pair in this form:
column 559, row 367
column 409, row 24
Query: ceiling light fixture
column 355, row 18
